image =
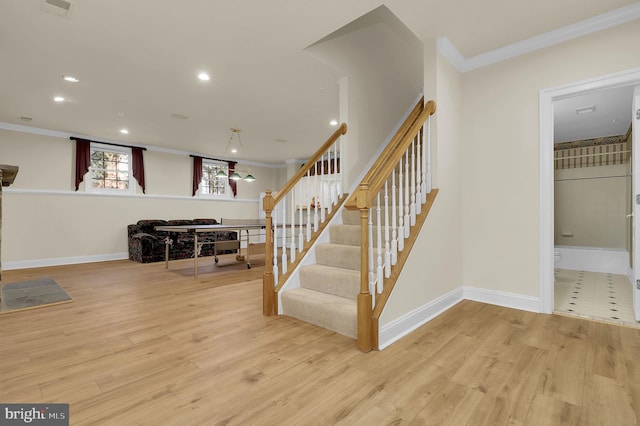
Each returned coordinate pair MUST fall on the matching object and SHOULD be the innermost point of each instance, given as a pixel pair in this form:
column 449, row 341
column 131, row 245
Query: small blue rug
column 31, row 294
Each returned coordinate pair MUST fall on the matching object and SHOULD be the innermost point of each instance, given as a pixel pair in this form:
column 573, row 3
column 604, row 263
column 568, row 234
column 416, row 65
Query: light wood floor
column 141, row 345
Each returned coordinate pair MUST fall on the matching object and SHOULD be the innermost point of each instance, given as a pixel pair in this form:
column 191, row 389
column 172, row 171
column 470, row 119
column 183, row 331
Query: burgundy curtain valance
column 83, row 159
column 197, row 173
column 138, row 166
column 232, row 183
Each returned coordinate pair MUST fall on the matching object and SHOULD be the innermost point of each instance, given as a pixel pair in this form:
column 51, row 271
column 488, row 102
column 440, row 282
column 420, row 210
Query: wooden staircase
column 354, row 273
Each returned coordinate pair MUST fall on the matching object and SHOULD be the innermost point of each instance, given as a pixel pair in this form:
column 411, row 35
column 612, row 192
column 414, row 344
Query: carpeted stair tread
column 332, row 312
column 345, row 234
column 338, row 255
column 350, row 234
column 351, row 217
column 331, row 280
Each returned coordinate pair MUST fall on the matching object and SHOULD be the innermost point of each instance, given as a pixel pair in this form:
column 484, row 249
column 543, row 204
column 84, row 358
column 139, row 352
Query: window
column 210, row 185
column 110, row 168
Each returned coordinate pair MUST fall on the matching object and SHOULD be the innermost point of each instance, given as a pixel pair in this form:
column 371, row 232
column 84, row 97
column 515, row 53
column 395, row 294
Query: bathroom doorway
column 592, row 193
column 550, row 99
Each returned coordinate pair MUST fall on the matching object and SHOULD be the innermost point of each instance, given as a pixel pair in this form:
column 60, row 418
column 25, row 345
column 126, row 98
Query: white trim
column 131, row 182
column 579, row 29
column 17, row 191
column 410, row 321
column 449, row 51
column 39, row 263
column 547, row 96
column 502, row 298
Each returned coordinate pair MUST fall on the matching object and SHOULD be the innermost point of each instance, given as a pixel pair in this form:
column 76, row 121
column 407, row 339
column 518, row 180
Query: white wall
column 500, row 158
column 46, row 222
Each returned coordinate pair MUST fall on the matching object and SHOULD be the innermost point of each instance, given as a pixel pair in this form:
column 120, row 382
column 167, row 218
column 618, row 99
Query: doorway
column 546, row 195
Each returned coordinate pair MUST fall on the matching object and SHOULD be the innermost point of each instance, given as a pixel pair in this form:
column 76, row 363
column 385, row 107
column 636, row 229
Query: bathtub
column 593, row 259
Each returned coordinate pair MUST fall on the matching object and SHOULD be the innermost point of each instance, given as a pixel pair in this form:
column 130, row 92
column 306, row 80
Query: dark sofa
column 148, row 245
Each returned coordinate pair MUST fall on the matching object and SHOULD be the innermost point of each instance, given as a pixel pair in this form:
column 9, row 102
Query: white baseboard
column 39, row 263
column 593, row 259
column 500, row 298
column 410, row 321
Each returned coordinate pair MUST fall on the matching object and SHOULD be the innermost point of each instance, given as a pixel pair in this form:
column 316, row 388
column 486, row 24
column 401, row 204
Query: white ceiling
column 611, row 115
column 137, row 63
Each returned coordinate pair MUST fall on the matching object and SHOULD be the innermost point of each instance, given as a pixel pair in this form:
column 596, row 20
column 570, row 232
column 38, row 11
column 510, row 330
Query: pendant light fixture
column 234, row 147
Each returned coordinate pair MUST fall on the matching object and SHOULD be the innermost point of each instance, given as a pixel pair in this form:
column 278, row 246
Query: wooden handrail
column 269, row 290
column 388, row 160
column 363, row 198
column 310, row 163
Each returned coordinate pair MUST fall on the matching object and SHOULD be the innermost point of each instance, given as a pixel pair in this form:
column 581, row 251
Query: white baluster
column 274, row 223
column 300, row 226
column 292, row 227
column 342, row 165
column 419, row 172
column 406, row 196
column 394, row 220
column 315, row 198
column 400, row 206
column 284, row 235
column 322, row 195
column 379, row 275
column 387, row 243
column 372, row 276
column 428, row 149
column 413, row 182
column 332, row 197
column 309, row 205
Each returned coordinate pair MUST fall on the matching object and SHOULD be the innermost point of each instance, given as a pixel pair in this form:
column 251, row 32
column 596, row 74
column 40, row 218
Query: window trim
column 227, row 187
column 96, row 146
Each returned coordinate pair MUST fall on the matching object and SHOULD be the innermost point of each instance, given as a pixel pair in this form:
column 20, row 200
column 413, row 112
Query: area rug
column 31, row 294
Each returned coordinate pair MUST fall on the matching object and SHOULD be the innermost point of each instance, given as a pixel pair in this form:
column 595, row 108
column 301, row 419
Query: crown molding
column 579, row 29
column 66, row 135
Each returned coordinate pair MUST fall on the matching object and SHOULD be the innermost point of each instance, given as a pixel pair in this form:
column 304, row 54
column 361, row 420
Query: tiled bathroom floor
column 605, row 297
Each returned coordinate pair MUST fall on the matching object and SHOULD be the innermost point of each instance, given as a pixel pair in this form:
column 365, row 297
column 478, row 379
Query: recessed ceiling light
column 124, row 131
column 204, row 76
column 333, row 122
column 233, row 150
column 58, row 99
column 70, row 78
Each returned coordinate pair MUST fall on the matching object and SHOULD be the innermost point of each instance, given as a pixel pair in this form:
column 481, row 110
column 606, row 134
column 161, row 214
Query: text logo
column 34, row 414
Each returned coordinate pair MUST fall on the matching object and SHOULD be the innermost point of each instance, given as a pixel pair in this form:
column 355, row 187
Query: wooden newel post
column 365, row 309
column 268, row 288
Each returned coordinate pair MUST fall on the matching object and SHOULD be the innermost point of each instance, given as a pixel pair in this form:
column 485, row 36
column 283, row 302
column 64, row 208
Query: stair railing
column 297, row 213
column 390, row 199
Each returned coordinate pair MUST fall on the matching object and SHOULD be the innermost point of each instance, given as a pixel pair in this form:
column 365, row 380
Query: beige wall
column 590, row 206
column 382, row 64
column 46, row 222
column 435, row 265
column 500, row 159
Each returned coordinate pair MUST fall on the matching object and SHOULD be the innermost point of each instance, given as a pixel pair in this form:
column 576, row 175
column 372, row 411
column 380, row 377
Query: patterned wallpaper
column 595, row 152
